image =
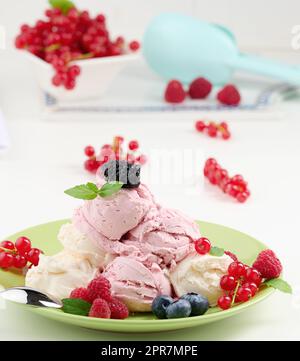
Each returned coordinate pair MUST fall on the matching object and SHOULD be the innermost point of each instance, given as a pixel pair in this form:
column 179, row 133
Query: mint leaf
column 108, row 189
column 83, row 191
column 75, row 306
column 63, row 5
column 279, row 284
column 216, row 251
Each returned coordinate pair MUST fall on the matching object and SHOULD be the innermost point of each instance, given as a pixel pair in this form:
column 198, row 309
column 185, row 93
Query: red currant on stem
column 224, row 302
column 252, row 286
column 202, row 245
column 89, row 151
column 133, row 145
column 91, row 165
column 142, row 159
column 252, row 275
column 19, row 261
column 7, row 245
column 23, row 245
column 243, row 294
column 6, row 260
column 200, row 125
column 228, row 283
column 236, row 269
column 33, row 256
column 134, row 45
column 212, row 130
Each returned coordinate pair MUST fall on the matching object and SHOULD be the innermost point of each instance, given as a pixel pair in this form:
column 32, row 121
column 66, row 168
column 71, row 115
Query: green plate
column 45, row 237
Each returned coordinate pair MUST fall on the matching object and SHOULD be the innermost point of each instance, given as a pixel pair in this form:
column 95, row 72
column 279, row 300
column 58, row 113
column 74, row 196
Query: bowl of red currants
column 72, row 53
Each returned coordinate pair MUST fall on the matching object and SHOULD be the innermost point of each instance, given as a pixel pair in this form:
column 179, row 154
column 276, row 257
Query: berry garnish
column 213, row 129
column 18, row 254
column 122, row 171
column 228, row 283
column 100, row 309
column 268, row 264
column 252, row 275
column 224, row 302
column 198, row 303
column 229, row 95
column 236, row 269
column 82, row 293
column 174, row 92
column 68, row 35
column 118, row 309
column 99, row 287
column 160, row 304
column 114, row 151
column 202, row 245
column 234, row 186
column 179, row 309
column 199, row 88
column 243, row 294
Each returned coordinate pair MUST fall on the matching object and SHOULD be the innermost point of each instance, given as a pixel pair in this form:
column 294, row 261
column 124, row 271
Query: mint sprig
column 90, row 191
column 279, row 284
column 76, row 306
column 216, row 251
column 63, row 5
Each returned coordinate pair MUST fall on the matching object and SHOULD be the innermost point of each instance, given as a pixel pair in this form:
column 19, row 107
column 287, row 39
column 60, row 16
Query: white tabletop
column 46, row 157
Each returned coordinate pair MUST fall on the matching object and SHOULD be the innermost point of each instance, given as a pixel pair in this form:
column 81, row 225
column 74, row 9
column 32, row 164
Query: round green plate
column 45, row 237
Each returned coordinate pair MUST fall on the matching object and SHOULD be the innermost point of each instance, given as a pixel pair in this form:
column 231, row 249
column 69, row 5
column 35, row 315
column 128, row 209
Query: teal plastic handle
column 256, row 64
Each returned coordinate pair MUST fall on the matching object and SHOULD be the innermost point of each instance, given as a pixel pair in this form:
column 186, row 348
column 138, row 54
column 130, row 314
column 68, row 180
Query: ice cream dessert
column 141, row 247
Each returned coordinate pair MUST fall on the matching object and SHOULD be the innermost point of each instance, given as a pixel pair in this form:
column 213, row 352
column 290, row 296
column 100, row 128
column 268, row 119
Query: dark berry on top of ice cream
column 198, row 303
column 122, row 171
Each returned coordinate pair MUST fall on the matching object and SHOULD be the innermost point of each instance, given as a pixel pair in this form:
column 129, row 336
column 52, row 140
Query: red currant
column 19, row 261
column 252, row 286
column 212, row 130
column 236, row 269
column 89, row 151
column 133, row 145
column 224, row 302
column 243, row 294
column 6, row 260
column 200, row 125
column 91, row 165
column 202, row 245
column 242, row 197
column 252, row 275
column 7, row 245
column 142, row 159
column 228, row 283
column 33, row 256
column 226, row 135
column 23, row 245
column 134, row 45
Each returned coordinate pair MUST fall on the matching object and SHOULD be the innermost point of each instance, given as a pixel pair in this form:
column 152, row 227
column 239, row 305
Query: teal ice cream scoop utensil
column 182, row 47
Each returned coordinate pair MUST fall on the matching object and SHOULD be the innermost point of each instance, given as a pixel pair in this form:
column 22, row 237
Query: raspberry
column 118, row 309
column 174, row 92
column 229, row 95
column 81, row 293
column 99, row 288
column 232, row 255
column 268, row 264
column 100, row 309
column 199, row 88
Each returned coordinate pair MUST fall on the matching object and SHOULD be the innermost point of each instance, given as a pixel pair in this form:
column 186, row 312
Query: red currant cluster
column 202, row 245
column 68, row 35
column 213, row 129
column 18, row 254
column 235, row 186
column 239, row 285
column 200, row 88
column 114, row 151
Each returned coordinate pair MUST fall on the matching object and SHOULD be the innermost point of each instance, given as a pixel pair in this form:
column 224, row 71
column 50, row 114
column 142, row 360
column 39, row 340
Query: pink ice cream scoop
column 112, row 217
column 135, row 284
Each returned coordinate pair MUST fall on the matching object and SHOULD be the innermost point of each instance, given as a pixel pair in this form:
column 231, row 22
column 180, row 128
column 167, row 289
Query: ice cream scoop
column 58, row 275
column 135, row 284
column 200, row 274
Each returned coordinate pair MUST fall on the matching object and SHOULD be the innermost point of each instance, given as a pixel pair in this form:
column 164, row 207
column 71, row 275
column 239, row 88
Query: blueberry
column 122, row 171
column 198, row 303
column 179, row 309
column 160, row 304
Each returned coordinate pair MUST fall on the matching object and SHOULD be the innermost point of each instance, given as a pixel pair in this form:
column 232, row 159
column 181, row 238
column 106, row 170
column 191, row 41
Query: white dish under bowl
column 95, row 77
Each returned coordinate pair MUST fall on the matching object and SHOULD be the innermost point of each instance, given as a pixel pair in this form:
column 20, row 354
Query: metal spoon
column 31, row 297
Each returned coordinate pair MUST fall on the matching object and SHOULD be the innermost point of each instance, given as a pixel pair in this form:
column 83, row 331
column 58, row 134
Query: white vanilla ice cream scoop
column 77, row 244
column 200, row 274
column 58, row 275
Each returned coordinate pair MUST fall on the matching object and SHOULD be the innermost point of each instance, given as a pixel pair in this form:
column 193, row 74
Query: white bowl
column 95, row 77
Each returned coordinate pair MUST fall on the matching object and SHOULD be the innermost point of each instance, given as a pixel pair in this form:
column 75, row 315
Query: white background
column 46, row 157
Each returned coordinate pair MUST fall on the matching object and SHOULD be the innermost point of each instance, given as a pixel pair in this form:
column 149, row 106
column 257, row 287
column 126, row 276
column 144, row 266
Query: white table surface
column 46, row 157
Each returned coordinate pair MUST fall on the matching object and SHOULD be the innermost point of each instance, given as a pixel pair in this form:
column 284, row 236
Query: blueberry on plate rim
column 160, row 305
column 198, row 303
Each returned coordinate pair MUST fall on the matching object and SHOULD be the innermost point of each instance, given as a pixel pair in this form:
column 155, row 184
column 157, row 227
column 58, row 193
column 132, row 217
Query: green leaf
column 83, row 191
column 216, row 251
column 75, row 306
column 108, row 189
column 63, row 5
column 279, row 284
